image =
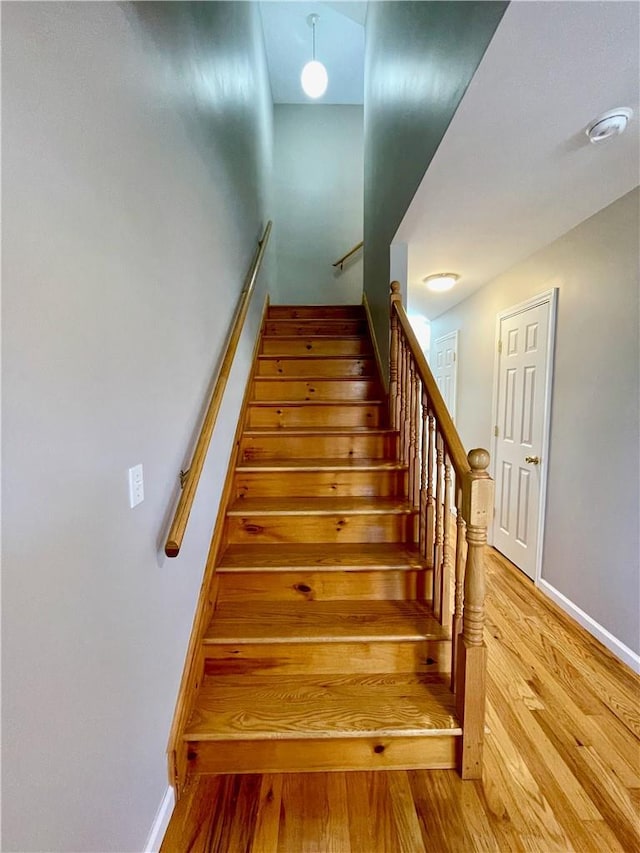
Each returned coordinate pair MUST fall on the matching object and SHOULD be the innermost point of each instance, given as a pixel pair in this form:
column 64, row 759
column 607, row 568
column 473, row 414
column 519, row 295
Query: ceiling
column 515, row 170
column 339, row 45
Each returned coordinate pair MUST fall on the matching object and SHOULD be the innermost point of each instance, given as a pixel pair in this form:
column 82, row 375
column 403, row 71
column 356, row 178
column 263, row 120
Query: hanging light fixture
column 314, row 76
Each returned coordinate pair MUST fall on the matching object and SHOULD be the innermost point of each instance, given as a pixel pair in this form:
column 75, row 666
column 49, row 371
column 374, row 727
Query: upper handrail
column 456, row 450
column 189, row 480
column 340, row 261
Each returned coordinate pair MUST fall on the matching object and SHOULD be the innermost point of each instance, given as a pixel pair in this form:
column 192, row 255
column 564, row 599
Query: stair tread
column 320, row 506
column 316, row 379
column 364, row 430
column 276, row 403
column 312, row 356
column 321, row 464
column 323, row 621
column 312, row 556
column 335, row 706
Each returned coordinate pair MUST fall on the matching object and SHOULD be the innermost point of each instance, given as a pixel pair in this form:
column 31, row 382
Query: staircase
column 322, row 651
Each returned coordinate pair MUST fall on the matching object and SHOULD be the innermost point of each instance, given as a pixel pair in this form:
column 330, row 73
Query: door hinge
column 499, row 347
column 495, row 431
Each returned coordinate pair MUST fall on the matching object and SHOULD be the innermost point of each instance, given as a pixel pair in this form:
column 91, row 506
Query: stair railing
column 341, row 261
column 453, row 494
column 190, row 477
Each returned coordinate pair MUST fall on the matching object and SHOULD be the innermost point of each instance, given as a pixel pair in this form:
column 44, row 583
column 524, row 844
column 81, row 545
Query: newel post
column 393, row 357
column 477, row 507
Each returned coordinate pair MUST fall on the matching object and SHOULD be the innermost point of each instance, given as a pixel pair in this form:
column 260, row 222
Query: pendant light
column 314, row 76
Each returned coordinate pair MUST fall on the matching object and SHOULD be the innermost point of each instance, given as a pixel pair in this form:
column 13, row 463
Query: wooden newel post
column 471, row 663
column 393, row 357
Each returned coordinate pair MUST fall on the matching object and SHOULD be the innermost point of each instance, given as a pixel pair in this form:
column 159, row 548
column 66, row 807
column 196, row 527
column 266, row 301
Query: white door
column 444, row 364
column 521, row 432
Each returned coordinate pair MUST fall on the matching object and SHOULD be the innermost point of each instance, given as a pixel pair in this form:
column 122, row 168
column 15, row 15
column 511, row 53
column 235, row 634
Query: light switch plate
column 136, row 486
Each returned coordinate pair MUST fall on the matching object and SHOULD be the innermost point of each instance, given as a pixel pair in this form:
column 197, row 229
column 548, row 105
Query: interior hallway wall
column 591, row 545
column 318, row 202
column 136, row 156
column 419, row 59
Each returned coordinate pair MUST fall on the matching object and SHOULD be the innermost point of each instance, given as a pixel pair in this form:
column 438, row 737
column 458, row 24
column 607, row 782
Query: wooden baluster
column 439, row 528
column 447, row 547
column 406, row 392
column 403, row 400
column 394, row 401
column 456, row 627
column 430, row 491
column 415, row 426
column 477, row 505
column 413, row 433
column 424, row 456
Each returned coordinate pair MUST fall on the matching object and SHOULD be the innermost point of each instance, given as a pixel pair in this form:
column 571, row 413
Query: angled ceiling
column 515, row 170
column 339, row 45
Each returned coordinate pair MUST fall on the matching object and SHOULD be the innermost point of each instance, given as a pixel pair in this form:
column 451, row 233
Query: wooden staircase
column 322, row 651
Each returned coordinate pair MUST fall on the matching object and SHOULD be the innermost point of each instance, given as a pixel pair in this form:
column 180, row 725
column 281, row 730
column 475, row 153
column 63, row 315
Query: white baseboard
column 160, row 823
column 624, row 653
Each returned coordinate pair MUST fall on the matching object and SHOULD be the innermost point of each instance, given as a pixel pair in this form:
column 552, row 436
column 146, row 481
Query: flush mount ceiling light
column 609, row 124
column 314, row 78
column 441, row 281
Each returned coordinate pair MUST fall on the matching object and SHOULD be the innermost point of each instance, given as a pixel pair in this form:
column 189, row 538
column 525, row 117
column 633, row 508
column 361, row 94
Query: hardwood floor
column 561, row 768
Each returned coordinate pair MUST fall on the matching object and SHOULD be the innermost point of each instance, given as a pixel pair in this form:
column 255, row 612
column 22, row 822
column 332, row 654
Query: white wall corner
column 399, row 268
column 622, row 652
column 160, row 823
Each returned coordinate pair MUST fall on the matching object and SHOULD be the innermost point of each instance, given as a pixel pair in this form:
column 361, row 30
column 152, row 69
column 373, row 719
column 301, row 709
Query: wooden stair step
column 311, row 413
column 283, row 465
column 328, row 327
column 279, row 723
column 316, row 388
column 240, row 707
column 323, row 621
column 344, row 557
column 316, row 365
column 301, row 442
column 316, row 344
column 320, row 506
column 314, row 312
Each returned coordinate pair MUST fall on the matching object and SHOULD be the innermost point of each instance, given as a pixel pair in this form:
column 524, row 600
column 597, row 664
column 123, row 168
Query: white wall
column 591, row 542
column 318, row 198
column 136, row 144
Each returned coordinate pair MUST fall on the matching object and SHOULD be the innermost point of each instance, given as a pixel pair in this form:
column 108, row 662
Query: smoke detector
column 611, row 123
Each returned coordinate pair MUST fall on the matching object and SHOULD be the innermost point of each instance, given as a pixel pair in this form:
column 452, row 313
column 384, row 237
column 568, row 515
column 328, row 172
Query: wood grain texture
column 285, row 414
column 562, row 758
column 326, row 621
column 311, row 365
column 308, row 556
column 316, row 345
column 314, row 312
column 267, row 707
column 344, row 443
column 320, row 388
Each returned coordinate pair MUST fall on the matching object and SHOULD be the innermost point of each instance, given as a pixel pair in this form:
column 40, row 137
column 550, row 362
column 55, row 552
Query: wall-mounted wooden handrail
column 340, row 261
column 449, row 432
column 189, row 479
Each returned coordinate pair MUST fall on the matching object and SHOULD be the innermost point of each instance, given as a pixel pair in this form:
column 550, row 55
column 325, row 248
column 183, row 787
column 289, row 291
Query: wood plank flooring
column 561, row 770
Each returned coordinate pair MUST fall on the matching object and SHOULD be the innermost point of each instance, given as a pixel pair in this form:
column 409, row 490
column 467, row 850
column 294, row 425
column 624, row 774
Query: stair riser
column 315, row 346
column 321, row 484
column 357, row 658
column 319, row 389
column 308, row 756
column 339, row 367
column 305, row 328
column 317, row 415
column 315, row 312
column 327, row 528
column 318, row 446
column 323, row 586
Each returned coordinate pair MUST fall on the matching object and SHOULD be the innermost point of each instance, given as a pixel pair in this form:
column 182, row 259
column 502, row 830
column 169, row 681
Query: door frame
column 550, row 296
column 453, row 334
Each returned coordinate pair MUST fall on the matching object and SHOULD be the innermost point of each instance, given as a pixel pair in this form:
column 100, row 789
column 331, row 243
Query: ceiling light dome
column 441, row 281
column 314, row 79
column 609, row 124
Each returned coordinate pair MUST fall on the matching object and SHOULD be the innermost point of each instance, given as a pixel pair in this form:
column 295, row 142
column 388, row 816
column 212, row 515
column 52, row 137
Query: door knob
column 532, row 460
